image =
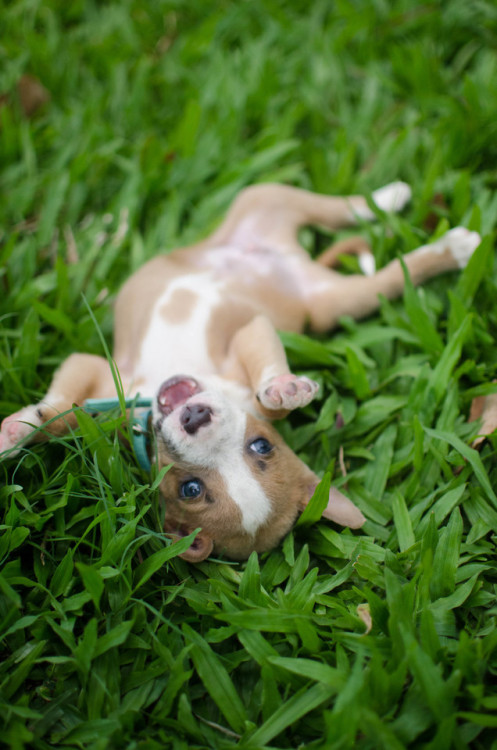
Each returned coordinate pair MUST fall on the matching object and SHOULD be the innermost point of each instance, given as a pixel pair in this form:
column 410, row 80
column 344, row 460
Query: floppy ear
column 339, row 509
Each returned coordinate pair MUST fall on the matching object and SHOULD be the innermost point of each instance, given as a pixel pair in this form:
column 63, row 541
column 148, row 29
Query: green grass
column 159, row 113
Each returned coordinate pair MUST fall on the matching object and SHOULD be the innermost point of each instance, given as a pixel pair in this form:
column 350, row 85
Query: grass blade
column 216, row 680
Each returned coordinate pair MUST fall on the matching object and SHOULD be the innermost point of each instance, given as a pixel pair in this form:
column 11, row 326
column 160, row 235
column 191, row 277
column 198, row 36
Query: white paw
column 461, row 242
column 392, row 197
column 287, row 392
column 367, row 264
column 17, row 428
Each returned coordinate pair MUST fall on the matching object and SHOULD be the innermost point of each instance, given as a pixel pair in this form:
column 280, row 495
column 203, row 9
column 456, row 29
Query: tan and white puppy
column 196, row 329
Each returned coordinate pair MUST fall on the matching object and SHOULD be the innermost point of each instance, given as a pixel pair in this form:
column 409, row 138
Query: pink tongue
column 175, row 392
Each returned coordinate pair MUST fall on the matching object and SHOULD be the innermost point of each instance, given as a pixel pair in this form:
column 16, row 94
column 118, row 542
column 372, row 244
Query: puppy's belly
column 253, row 266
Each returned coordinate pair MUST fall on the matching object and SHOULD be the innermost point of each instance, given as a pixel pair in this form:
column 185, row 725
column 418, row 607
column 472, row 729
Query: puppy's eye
column 191, row 488
column 261, row 446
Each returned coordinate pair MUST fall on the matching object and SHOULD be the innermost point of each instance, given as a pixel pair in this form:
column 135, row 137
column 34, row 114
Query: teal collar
column 140, row 420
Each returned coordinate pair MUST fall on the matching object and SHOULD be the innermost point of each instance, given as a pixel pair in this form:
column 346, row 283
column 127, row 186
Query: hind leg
column 332, row 295
column 270, row 215
column 81, row 376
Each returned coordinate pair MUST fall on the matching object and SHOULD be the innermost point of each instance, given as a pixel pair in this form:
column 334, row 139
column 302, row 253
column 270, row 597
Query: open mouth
column 176, row 392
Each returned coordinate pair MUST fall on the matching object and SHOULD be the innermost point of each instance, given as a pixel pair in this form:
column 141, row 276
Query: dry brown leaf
column 484, row 408
column 31, row 93
column 365, row 615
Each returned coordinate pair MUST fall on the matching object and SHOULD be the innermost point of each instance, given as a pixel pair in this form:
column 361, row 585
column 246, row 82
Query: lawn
column 159, row 112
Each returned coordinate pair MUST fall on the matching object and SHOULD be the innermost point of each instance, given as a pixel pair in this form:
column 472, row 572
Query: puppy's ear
column 340, row 509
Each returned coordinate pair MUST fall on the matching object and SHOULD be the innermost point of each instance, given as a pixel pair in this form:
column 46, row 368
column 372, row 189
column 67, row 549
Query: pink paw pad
column 287, row 392
column 17, row 427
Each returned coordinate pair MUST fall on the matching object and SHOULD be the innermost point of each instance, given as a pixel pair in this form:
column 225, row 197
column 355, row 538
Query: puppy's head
column 232, row 474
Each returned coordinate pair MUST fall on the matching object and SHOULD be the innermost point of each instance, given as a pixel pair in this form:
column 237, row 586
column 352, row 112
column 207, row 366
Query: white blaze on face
column 220, row 446
column 245, row 490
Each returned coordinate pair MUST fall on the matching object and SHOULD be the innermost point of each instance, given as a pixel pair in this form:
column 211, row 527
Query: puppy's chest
column 176, row 338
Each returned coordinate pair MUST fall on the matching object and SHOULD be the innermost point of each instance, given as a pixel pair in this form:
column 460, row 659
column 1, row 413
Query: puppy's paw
column 17, row 428
column 462, row 243
column 287, row 392
column 392, row 197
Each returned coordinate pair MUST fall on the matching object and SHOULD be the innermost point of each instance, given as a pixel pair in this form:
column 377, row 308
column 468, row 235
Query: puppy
column 196, row 329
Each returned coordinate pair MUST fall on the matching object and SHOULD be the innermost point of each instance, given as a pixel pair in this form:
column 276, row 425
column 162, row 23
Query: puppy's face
column 232, row 475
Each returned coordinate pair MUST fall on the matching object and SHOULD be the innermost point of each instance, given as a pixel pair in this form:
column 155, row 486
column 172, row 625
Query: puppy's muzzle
column 194, row 416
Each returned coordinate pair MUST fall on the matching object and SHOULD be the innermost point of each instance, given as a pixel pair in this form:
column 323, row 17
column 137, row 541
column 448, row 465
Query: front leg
column 258, row 350
column 81, row 376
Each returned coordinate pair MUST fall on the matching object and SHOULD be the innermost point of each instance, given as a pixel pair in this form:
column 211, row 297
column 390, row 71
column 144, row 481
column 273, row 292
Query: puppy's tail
column 350, row 246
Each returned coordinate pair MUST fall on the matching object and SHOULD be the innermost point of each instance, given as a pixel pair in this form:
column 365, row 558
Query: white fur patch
column 367, row 264
column 460, row 242
column 246, row 491
column 392, row 197
column 169, row 348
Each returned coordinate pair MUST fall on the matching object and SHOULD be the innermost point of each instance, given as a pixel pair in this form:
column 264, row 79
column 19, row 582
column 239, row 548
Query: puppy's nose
column 194, row 416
